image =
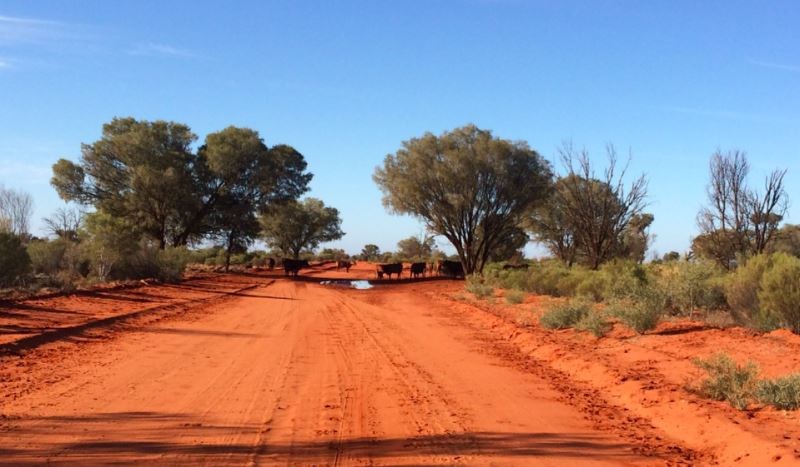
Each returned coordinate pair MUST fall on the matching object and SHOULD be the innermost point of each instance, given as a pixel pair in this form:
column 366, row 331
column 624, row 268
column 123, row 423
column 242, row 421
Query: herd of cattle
column 292, row 267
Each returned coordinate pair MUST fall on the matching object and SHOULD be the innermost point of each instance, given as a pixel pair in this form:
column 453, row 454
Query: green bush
column 46, row 256
column 642, row 311
column 692, row 285
column 478, row 286
column 515, row 297
column 741, row 291
column 593, row 285
column 782, row 393
column 171, row 262
column 779, row 294
column 14, row 260
column 728, row 381
column 595, row 323
column 624, row 278
column 565, row 315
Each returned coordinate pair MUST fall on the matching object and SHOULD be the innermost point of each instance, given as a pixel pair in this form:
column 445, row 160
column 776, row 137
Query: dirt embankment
column 262, row 370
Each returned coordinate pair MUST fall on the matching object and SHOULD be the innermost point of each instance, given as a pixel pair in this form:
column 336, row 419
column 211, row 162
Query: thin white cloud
column 15, row 29
column 726, row 114
column 4, row 65
column 775, row 66
column 151, row 49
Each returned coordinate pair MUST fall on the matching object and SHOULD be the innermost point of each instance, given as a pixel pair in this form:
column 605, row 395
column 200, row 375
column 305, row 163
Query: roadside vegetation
column 740, row 386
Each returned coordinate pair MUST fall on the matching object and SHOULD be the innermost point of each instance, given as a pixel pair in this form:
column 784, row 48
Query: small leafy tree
column 415, row 248
column 370, row 252
column 298, row 225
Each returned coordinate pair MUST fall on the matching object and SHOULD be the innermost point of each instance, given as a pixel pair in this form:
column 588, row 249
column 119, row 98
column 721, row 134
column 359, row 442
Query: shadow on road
column 135, row 435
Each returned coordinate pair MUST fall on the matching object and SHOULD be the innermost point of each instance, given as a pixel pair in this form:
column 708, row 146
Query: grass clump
column 782, row 393
column 515, row 297
column 728, row 381
column 478, row 286
column 565, row 315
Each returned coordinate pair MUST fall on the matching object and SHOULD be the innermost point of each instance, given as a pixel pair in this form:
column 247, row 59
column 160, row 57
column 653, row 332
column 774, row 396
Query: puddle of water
column 360, row 285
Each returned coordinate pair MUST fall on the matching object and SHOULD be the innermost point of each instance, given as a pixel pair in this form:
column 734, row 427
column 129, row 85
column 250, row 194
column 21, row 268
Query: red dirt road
column 258, row 369
column 292, row 372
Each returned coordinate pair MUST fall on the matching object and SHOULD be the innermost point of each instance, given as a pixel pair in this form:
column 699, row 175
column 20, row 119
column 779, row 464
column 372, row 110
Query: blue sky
column 346, row 82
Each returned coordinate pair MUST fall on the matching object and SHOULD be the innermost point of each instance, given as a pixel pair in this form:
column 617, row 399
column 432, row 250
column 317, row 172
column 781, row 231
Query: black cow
column 451, row 268
column 343, row 264
column 417, row 269
column 389, row 269
column 293, row 266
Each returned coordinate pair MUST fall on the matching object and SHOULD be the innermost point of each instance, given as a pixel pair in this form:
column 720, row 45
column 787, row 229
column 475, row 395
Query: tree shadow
column 199, row 332
column 138, row 435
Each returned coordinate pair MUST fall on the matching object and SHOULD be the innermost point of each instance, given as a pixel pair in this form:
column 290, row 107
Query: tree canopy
column 466, row 185
column 146, row 173
column 415, row 248
column 298, row 225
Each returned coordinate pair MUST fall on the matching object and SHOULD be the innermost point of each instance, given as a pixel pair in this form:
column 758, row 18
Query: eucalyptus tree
column 466, row 185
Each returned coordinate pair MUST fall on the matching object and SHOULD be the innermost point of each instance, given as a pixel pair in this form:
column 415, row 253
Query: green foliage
column 595, row 323
column 782, row 393
column 171, row 262
column 515, row 297
column 640, row 311
column 779, row 294
column 728, row 381
column 592, row 285
column 332, row 254
column 370, row 252
column 297, row 225
column 478, row 286
column 415, row 249
column 550, row 277
column 741, row 291
column 624, row 278
column 565, row 315
column 14, row 260
column 466, row 185
column 691, row 285
column 47, row 255
column 146, row 174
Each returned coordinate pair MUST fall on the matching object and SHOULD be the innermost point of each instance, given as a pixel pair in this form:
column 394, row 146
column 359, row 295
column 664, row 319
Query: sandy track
column 296, row 373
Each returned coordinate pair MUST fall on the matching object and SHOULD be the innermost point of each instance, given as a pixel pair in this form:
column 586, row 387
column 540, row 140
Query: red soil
column 259, row 369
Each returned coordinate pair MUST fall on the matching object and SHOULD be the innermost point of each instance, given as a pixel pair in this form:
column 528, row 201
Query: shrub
column 593, row 286
column 741, row 291
column 565, row 315
column 642, row 311
column 14, row 260
column 624, row 278
column 728, row 381
column 595, row 323
column 477, row 286
column 515, row 297
column 46, row 256
column 779, row 294
column 171, row 262
column 690, row 285
column 782, row 393
column 544, row 277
